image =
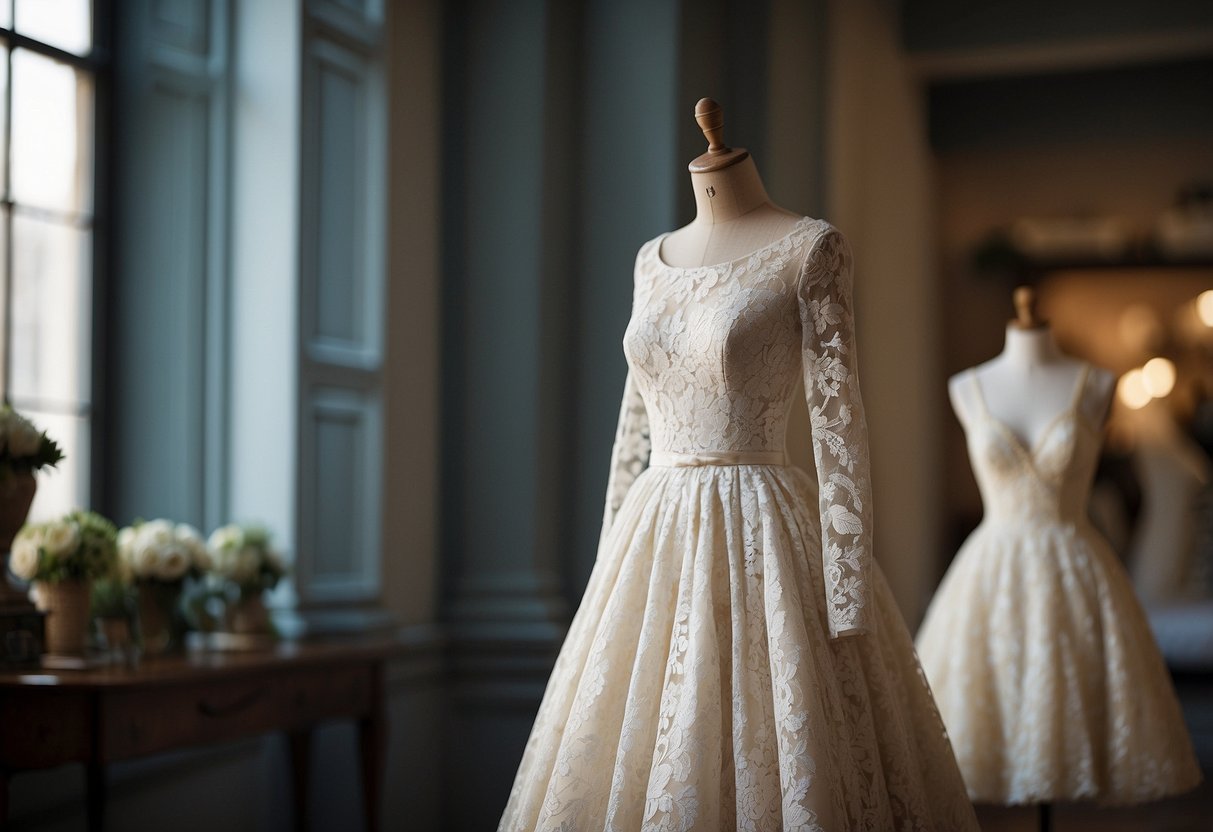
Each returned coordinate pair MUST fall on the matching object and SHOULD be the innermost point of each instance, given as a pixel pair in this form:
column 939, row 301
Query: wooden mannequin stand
column 734, row 216
column 1024, row 299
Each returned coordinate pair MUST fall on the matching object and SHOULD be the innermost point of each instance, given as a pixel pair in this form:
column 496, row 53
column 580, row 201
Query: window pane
column 51, row 320
column 3, row 114
column 51, row 133
column 64, row 487
column 6, row 14
column 4, row 340
column 67, row 24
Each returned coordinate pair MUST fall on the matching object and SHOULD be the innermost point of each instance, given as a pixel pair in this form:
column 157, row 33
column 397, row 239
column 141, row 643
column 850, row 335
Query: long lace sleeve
column 630, row 454
column 840, row 436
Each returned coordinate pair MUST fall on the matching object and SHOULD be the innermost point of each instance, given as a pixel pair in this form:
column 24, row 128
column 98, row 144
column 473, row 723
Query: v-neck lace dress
column 737, row 661
column 1039, row 654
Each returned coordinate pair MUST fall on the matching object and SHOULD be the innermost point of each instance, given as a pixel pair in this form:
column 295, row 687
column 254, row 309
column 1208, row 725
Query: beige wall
column 879, row 193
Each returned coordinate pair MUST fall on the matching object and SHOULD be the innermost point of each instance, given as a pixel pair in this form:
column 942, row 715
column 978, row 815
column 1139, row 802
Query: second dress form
column 1039, row 655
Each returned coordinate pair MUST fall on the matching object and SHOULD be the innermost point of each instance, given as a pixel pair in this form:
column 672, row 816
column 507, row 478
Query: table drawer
column 41, row 727
column 146, row 721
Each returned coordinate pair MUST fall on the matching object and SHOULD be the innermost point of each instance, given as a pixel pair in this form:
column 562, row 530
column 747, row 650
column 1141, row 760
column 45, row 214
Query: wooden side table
column 96, row 717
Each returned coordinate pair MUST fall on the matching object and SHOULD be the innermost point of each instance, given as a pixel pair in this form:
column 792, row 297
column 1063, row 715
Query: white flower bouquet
column 80, row 546
column 22, row 446
column 162, row 551
column 243, row 556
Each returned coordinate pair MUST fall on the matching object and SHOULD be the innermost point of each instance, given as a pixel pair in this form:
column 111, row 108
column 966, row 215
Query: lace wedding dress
column 1039, row 654
column 737, row 661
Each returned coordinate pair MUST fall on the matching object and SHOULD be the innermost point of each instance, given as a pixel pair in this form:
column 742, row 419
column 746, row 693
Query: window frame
column 98, row 64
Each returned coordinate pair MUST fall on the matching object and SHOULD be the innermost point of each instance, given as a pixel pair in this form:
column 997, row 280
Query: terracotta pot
column 16, row 496
column 117, row 633
column 248, row 616
column 156, row 604
column 66, row 605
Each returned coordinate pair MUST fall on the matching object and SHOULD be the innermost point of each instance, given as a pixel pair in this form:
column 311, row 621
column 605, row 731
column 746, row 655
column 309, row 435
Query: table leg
column 301, row 757
column 372, row 741
column 94, row 777
column 3, row 799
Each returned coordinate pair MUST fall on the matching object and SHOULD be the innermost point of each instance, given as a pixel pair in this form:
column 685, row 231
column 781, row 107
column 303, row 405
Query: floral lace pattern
column 840, row 446
column 752, row 313
column 1040, row 656
column 701, row 685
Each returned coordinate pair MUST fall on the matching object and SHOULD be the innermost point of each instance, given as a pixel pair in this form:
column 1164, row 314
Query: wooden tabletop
column 193, row 665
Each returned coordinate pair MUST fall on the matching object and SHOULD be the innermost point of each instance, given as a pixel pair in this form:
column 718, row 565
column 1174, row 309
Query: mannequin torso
column 733, row 217
column 1031, row 383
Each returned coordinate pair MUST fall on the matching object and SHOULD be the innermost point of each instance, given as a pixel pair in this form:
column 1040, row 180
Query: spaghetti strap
column 980, row 396
column 1080, row 388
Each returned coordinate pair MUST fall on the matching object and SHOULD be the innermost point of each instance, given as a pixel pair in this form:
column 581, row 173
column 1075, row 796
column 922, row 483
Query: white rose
column 225, row 538
column 146, row 559
column 157, row 532
column 23, row 439
column 185, row 533
column 23, row 562
column 61, row 539
column 191, row 539
column 174, row 561
column 126, row 543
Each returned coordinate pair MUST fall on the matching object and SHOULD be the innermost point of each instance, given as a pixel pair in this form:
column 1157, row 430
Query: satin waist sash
column 679, row 460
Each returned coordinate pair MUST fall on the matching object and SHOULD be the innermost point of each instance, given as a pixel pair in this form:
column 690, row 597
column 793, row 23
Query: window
column 48, row 70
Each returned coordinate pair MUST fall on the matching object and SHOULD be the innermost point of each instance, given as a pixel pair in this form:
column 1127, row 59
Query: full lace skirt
column 698, row 688
column 1047, row 675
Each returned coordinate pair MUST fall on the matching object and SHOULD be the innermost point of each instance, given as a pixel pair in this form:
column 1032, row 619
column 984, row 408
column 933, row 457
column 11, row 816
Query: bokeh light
column 1158, row 377
column 1204, row 307
column 1132, row 389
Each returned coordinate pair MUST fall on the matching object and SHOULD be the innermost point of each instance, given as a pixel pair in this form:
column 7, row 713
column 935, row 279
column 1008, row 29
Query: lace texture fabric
column 1040, row 656
column 751, row 313
column 702, row 684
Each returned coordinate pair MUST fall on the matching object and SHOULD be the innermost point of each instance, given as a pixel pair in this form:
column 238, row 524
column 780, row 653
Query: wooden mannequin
column 733, row 214
column 1031, row 382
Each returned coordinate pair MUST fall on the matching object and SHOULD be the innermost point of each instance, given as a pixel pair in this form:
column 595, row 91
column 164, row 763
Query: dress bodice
column 1048, row 481
column 714, row 357
column 716, row 350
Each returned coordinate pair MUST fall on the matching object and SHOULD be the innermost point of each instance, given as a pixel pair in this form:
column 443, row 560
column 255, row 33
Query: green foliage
column 80, row 546
column 22, row 446
column 113, row 598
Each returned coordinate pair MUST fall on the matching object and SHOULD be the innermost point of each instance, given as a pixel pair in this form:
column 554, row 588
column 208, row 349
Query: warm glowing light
column 1132, row 389
column 1204, row 307
column 1158, row 377
column 1139, row 327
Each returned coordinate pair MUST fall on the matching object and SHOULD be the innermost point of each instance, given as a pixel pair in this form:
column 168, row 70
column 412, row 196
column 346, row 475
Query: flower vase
column 156, row 604
column 116, row 632
column 66, row 604
column 248, row 616
column 16, row 496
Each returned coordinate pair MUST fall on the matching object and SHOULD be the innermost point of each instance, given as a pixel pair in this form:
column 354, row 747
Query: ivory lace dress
column 1040, row 656
column 705, row 683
